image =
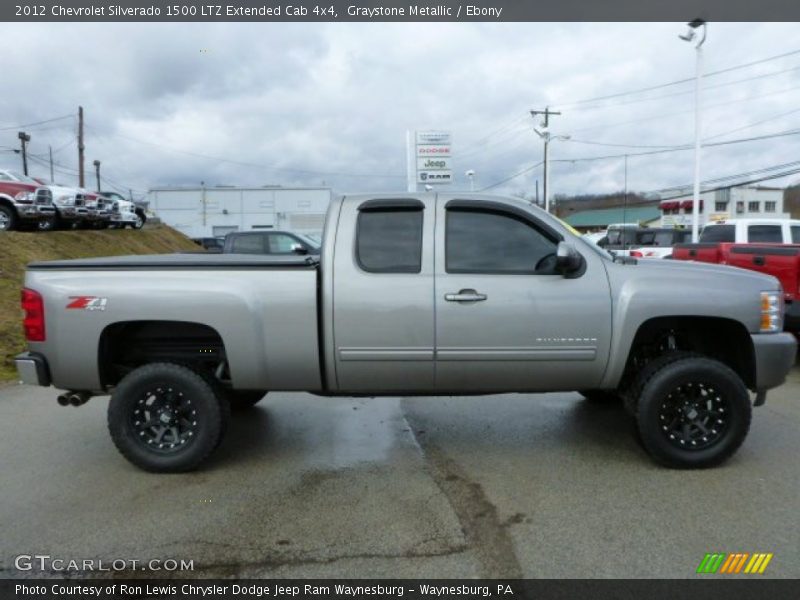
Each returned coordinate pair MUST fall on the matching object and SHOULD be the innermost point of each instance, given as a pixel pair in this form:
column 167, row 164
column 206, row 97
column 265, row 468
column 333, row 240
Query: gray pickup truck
column 425, row 294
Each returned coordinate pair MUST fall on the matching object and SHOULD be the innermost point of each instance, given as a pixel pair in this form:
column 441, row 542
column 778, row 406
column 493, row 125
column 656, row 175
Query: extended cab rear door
column 383, row 294
column 505, row 321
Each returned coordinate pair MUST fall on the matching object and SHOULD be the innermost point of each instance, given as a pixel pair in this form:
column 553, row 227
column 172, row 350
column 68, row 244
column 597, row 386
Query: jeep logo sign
column 433, row 164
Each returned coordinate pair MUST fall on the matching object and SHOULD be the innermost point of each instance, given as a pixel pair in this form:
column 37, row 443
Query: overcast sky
column 313, row 104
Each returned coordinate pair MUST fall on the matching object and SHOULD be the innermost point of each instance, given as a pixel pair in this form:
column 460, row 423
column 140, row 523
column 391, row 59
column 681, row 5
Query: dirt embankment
column 17, row 249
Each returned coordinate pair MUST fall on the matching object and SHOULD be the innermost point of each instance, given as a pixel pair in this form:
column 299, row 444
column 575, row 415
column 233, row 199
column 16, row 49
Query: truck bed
column 263, row 310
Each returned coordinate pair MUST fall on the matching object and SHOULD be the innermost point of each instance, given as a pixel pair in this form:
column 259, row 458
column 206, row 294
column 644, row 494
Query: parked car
column 657, row 242
column 99, row 210
column 270, row 242
column 621, row 237
column 123, row 214
column 68, row 202
column 782, row 261
column 141, row 215
column 211, row 244
column 748, row 231
column 424, row 294
column 23, row 202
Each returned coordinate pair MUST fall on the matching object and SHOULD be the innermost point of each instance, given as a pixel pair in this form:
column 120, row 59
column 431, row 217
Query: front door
column 506, row 320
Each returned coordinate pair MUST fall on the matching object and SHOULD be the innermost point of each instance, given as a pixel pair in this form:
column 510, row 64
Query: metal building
column 216, row 211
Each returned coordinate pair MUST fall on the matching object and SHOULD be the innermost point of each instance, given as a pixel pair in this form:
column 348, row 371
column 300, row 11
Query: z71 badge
column 87, row 302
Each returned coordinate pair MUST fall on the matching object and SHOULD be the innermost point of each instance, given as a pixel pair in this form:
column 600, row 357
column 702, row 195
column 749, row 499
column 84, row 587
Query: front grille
column 44, row 196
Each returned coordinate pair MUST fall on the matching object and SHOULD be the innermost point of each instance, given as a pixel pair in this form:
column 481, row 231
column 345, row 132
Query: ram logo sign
column 734, row 563
column 87, row 303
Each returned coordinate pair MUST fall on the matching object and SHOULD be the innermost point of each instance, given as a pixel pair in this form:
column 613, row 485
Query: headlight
column 25, row 197
column 771, row 311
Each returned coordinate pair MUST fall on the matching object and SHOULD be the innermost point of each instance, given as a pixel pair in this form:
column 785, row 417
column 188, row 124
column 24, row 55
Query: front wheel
column 693, row 413
column 8, row 218
column 166, row 418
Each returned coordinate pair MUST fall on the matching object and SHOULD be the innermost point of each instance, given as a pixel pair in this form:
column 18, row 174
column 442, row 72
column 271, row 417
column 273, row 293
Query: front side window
column 280, row 243
column 484, row 241
column 389, row 240
column 796, row 234
column 764, row 234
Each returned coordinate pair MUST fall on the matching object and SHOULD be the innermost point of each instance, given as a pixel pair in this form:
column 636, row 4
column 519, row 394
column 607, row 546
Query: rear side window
column 390, row 240
column 719, row 233
column 248, row 244
column 796, row 234
column 479, row 241
column 764, row 234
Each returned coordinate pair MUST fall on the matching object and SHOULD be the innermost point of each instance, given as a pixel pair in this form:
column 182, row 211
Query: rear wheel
column 8, row 218
column 165, row 417
column 693, row 412
column 140, row 220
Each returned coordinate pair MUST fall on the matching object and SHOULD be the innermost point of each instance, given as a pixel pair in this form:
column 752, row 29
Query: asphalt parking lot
column 499, row 486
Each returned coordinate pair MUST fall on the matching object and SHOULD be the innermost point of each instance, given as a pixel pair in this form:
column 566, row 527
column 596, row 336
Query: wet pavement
column 496, row 486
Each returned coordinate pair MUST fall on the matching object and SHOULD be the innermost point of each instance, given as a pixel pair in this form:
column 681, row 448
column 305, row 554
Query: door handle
column 467, row 295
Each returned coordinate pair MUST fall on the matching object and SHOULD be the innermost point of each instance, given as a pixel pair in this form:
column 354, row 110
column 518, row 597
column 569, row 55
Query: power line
column 510, row 177
column 678, row 81
column 256, row 165
column 684, row 93
column 36, row 123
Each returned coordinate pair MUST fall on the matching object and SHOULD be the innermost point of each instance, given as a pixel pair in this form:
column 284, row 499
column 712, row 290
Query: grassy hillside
column 17, row 249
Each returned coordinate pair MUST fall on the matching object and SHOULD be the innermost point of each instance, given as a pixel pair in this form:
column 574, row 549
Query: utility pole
column 537, row 192
column 52, row 177
column 545, row 135
column 97, row 173
column 80, row 147
column 24, row 138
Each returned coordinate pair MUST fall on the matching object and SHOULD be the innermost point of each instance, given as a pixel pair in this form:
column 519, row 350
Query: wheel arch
column 126, row 345
column 721, row 338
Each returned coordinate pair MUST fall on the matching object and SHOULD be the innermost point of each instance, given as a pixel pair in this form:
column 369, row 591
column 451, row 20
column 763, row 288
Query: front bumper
column 775, row 355
column 32, row 369
column 35, row 212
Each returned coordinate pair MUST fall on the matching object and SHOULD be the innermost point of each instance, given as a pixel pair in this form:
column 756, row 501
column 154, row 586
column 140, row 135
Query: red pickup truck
column 779, row 260
column 24, row 203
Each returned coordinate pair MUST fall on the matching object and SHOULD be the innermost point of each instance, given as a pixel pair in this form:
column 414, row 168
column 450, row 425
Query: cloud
column 307, row 104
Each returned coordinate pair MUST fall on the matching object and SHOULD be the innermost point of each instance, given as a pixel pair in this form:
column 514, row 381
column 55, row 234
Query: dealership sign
column 432, row 155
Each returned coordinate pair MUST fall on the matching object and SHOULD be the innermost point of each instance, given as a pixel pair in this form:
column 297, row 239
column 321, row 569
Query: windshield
column 315, row 244
column 23, row 178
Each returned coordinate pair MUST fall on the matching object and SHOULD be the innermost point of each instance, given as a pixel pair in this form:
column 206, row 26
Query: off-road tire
column 682, row 393
column 140, row 388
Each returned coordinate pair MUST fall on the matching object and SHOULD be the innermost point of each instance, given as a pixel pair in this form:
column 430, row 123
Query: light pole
column 471, row 175
column 24, row 138
column 544, row 133
column 690, row 36
column 97, row 173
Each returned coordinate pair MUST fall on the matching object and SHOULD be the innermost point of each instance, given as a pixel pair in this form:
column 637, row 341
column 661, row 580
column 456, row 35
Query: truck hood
column 691, row 271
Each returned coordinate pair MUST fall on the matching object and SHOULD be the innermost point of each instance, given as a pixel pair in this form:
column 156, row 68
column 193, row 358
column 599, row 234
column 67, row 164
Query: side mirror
column 568, row 260
column 299, row 249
